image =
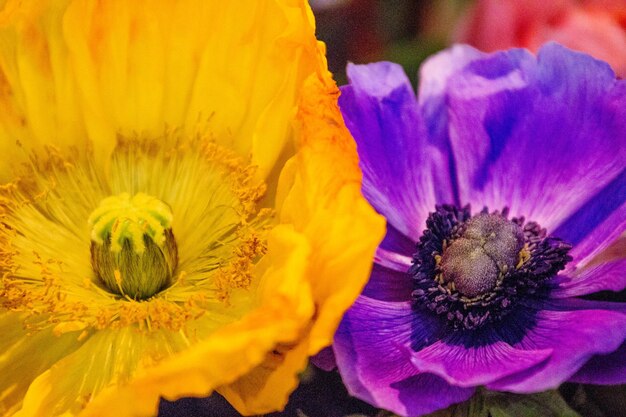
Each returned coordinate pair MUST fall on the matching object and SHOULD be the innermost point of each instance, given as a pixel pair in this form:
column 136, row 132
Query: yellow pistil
column 121, row 218
column 133, row 250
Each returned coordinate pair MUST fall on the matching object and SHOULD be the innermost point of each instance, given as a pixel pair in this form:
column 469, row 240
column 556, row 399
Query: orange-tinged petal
column 285, row 307
column 319, row 193
column 197, row 104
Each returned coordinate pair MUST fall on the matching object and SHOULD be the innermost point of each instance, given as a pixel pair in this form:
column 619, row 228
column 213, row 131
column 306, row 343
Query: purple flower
column 501, row 183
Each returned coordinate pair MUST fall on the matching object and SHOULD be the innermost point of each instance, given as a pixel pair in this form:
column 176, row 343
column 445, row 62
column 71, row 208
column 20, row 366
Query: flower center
column 488, row 247
column 474, row 270
column 133, row 250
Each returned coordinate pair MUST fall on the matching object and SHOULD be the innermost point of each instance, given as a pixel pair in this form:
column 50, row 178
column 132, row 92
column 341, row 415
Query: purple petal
column 596, row 225
column 604, row 369
column 388, row 285
column 396, row 242
column 608, row 276
column 541, row 136
column 572, row 304
column 402, row 175
column 394, row 254
column 369, row 348
column 392, row 260
column 436, row 73
column 424, row 393
column 325, row 359
column 472, row 366
column 574, row 336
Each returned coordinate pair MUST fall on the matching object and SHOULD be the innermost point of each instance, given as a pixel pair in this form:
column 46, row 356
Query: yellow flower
column 180, row 210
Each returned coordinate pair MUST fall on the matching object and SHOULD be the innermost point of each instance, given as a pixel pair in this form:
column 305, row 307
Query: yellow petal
column 284, row 307
column 145, row 65
column 267, row 387
column 22, row 357
column 319, row 194
column 74, row 72
column 344, row 230
column 38, row 97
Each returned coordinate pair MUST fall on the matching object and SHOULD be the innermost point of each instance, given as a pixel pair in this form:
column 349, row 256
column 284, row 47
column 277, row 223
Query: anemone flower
column 148, row 248
column 501, row 183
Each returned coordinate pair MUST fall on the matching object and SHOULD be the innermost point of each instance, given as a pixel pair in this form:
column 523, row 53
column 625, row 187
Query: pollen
column 85, row 248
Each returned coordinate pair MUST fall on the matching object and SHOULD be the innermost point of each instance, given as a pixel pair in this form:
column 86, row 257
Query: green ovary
column 133, row 250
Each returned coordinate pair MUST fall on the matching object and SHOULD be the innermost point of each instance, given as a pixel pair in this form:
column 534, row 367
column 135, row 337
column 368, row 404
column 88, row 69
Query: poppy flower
column 178, row 198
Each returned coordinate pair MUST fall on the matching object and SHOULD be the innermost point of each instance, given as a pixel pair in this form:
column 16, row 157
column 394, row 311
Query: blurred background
column 403, row 31
column 407, row 32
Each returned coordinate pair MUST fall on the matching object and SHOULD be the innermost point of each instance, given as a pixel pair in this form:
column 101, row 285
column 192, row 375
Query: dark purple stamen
column 473, row 270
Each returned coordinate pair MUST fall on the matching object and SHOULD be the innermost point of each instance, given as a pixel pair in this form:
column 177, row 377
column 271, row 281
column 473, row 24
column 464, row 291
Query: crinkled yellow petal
column 344, row 230
column 78, row 72
column 267, row 387
column 284, row 307
column 319, row 194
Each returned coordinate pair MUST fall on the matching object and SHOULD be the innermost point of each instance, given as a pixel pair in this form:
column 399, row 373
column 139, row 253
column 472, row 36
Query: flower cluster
column 189, row 205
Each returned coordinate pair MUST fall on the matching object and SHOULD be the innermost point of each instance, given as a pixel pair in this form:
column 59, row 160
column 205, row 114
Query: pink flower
column 597, row 27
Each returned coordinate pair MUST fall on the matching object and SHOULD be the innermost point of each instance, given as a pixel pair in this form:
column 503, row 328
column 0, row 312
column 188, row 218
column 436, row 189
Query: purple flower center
column 477, row 260
column 474, row 270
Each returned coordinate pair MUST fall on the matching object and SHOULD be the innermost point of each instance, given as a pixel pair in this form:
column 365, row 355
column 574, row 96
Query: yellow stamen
column 45, row 236
column 524, row 256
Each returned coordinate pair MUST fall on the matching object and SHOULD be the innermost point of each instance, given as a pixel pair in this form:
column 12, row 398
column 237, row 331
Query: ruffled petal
column 371, row 351
column 319, row 194
column 609, row 276
column 520, row 129
column 267, row 387
column 326, row 205
column 400, row 168
column 285, row 307
column 574, row 337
